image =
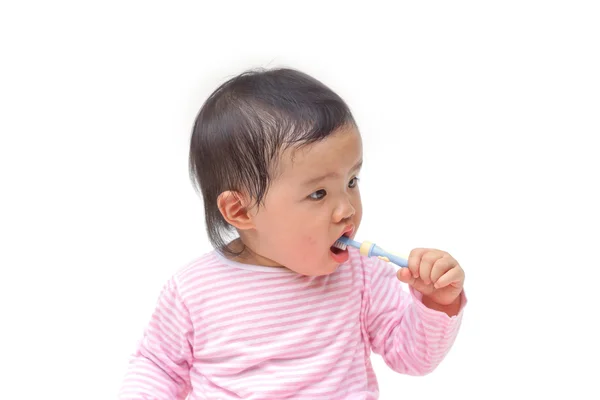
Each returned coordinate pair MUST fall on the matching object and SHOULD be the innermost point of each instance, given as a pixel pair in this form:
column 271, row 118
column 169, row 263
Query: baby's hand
column 434, row 273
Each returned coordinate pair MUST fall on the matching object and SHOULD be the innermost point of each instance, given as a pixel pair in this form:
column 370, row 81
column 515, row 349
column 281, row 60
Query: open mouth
column 336, row 250
column 339, row 246
column 339, row 251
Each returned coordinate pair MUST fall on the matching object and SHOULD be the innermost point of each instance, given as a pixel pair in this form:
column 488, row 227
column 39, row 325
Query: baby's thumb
column 405, row 276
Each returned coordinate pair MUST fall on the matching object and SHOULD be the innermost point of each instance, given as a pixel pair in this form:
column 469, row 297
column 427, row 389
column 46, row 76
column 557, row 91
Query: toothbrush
column 371, row 250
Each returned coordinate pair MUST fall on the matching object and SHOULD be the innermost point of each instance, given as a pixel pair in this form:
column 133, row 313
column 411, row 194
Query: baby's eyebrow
column 320, row 178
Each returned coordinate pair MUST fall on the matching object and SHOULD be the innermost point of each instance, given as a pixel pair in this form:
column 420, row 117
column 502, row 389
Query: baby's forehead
column 332, row 155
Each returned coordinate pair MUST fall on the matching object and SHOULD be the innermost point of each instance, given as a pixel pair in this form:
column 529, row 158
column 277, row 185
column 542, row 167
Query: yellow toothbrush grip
column 364, row 248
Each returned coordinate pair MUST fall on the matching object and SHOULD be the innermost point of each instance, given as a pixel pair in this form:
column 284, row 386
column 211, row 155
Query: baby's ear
column 235, row 209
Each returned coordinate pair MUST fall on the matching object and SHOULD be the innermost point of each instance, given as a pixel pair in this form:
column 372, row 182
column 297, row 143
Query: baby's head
column 276, row 156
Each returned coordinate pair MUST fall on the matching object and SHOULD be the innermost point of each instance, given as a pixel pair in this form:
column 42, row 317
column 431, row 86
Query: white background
column 480, row 123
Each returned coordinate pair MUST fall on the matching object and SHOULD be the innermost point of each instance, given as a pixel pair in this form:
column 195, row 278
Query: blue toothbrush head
column 345, row 241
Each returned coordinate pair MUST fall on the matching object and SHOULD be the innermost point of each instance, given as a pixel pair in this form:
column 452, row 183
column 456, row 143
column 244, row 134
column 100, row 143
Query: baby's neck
column 245, row 255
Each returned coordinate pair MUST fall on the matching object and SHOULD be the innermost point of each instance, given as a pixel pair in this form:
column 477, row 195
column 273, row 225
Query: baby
column 275, row 310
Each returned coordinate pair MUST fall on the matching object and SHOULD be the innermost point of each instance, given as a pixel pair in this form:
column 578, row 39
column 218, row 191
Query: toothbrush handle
column 379, row 252
column 399, row 261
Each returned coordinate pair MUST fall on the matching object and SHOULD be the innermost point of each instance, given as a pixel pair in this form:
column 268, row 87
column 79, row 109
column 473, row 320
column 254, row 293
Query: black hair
column 244, row 125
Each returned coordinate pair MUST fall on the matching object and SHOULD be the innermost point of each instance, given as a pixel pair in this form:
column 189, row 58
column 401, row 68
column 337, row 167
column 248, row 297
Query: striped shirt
column 226, row 330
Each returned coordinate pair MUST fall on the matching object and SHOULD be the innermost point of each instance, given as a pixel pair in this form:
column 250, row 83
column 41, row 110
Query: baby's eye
column 318, row 195
column 353, row 182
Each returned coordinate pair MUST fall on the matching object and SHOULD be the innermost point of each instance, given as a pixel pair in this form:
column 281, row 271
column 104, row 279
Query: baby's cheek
column 309, row 243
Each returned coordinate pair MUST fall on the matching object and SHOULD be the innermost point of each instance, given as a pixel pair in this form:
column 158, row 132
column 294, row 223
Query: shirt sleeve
column 159, row 368
column 412, row 338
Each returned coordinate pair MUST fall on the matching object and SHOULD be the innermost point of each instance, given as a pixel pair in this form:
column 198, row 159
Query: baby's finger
column 441, row 266
column 427, row 261
column 455, row 276
column 414, row 260
column 404, row 275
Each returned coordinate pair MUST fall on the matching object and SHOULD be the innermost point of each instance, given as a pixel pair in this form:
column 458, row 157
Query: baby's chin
column 316, row 268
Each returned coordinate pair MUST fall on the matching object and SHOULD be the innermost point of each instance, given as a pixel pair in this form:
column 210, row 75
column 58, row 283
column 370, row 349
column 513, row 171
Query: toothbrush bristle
column 340, row 245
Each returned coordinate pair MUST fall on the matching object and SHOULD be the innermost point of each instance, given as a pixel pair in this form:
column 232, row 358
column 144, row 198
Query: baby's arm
column 159, row 369
column 412, row 338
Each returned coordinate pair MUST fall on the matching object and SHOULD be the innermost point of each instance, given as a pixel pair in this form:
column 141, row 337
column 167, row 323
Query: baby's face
column 312, row 201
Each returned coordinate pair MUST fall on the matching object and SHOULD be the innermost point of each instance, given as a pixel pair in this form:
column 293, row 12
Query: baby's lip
column 348, row 231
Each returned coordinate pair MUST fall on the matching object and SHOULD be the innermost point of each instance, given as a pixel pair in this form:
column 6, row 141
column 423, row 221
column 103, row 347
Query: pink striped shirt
column 225, row 330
